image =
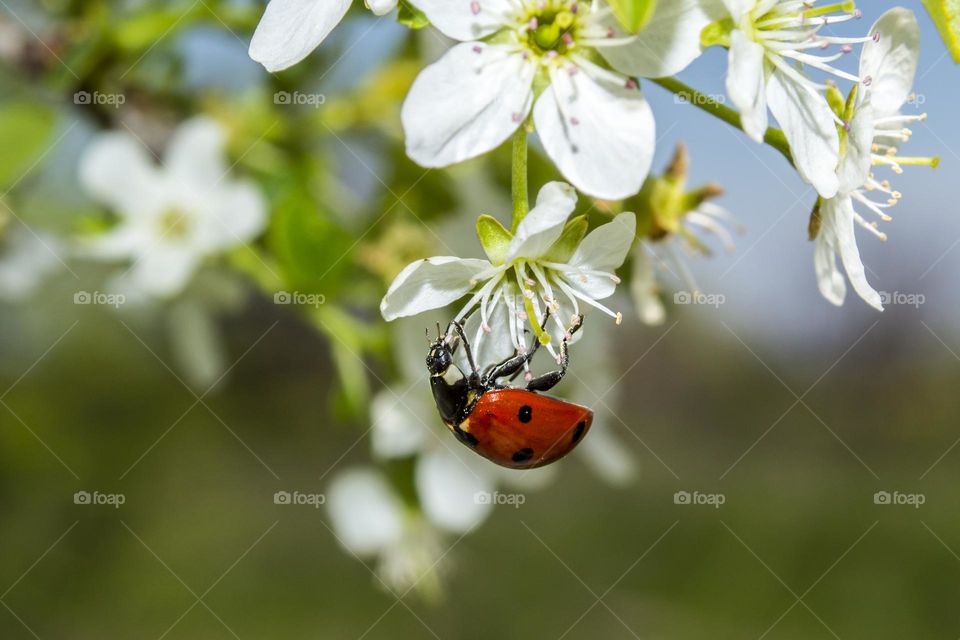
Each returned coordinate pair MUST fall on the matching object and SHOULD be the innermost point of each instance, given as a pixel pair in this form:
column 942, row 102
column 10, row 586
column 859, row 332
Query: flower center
column 549, row 28
column 174, row 225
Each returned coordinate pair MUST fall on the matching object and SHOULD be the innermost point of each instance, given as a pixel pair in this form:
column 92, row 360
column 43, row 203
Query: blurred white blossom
column 27, row 259
column 172, row 217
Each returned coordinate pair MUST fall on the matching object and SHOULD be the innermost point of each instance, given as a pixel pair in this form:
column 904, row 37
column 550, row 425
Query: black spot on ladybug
column 466, row 438
column 578, row 431
column 523, row 455
column 526, row 414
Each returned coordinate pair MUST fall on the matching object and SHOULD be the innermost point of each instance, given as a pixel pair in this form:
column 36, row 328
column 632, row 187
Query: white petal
column 830, row 281
column 857, row 158
column 451, row 490
column 646, row 291
column 891, row 63
column 466, row 104
column 291, row 29
column 430, row 284
column 839, row 212
column 164, row 270
column 739, row 8
column 544, row 224
column 666, row 46
column 117, row 170
column 809, row 125
column 397, row 431
column 366, row 514
column 27, row 258
column 601, row 136
column 195, row 155
column 458, row 19
column 234, row 214
column 746, row 78
column 381, row 7
column 606, row 247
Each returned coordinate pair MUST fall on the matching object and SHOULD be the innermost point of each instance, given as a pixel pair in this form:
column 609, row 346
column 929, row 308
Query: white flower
column 27, row 259
column 544, row 265
column 769, row 44
column 876, row 128
column 523, row 56
column 173, row 217
column 291, row 29
column 371, row 520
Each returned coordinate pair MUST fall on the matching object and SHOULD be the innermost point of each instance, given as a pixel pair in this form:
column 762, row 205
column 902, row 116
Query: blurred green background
column 796, row 413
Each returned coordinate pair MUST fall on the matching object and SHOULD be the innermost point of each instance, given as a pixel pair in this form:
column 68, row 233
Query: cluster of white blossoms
column 569, row 72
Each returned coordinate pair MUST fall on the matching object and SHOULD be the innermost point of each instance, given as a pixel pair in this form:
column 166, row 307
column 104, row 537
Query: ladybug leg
column 549, row 380
column 512, row 366
column 474, row 374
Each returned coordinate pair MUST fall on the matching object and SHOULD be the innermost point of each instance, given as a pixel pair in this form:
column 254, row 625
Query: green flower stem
column 521, row 202
column 774, row 137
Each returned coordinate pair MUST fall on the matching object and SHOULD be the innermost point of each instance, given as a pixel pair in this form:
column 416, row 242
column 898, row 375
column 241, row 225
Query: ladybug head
column 440, row 357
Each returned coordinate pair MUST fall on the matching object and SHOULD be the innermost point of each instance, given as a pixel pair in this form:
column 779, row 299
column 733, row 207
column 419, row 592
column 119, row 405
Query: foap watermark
column 115, row 100
column 98, row 298
column 699, row 99
column 96, row 498
column 698, row 298
column 900, row 299
column 515, row 500
column 898, row 499
column 299, row 299
column 917, row 99
column 298, row 98
column 699, row 499
column 298, row 499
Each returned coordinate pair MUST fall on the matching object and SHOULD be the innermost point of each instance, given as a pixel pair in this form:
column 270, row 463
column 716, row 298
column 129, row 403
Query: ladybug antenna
column 439, row 333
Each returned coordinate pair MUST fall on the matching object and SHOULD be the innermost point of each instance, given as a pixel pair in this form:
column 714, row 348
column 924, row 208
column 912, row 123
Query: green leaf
column 410, row 16
column 494, row 238
column 946, row 15
column 25, row 130
column 308, row 245
column 633, row 15
column 143, row 30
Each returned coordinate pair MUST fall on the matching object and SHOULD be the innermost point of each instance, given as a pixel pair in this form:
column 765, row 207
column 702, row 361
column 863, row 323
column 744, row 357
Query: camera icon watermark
column 96, row 298
column 898, row 499
column 298, row 98
column 298, row 499
column 698, row 499
column 515, row 500
column 899, row 299
column 87, row 98
column 698, row 298
column 95, row 498
column 314, row 300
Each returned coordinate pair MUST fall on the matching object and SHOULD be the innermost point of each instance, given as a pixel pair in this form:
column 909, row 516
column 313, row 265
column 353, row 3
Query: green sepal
column 946, row 15
column 494, row 238
column 573, row 234
column 411, row 17
column 717, row 34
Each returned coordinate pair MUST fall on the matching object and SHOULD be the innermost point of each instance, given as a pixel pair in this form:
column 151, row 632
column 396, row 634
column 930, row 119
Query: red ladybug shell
column 523, row 430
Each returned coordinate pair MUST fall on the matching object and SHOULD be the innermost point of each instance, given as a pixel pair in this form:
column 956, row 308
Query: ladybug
column 513, row 427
